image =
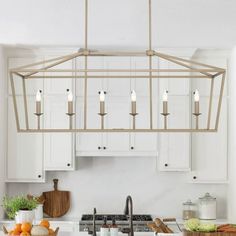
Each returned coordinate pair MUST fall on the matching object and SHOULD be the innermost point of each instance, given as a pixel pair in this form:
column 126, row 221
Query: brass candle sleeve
column 196, row 107
column 165, row 107
column 133, row 107
column 102, row 107
column 70, row 107
column 38, row 107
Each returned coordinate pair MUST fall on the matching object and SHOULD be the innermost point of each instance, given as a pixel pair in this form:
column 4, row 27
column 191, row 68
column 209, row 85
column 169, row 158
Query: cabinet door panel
column 89, row 143
column 175, row 147
column 210, row 164
column 174, row 152
column 56, row 155
column 25, row 151
column 179, row 109
column 144, row 142
column 117, row 117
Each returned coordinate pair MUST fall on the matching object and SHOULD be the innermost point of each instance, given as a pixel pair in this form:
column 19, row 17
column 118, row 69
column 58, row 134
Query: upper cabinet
column 175, row 148
column 174, row 154
column 209, row 150
column 29, row 155
column 24, row 162
column 59, row 148
column 117, row 107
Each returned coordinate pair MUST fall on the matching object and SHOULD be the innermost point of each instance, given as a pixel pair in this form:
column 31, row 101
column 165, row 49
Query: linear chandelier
column 47, row 69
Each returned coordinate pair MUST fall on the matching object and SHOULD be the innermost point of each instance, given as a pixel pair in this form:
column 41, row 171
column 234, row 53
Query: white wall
column 119, row 23
column 104, row 182
column 2, row 124
column 232, row 136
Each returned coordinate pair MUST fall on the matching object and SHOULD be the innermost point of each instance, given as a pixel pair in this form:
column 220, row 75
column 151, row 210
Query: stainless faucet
column 129, row 212
column 94, row 221
column 93, row 232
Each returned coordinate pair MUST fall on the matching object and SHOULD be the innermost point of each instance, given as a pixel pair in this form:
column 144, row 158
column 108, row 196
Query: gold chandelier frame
column 191, row 70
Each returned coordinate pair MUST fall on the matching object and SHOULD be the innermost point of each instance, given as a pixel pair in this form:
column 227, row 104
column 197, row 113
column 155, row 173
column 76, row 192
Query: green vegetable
column 192, row 224
column 12, row 205
column 196, row 225
column 207, row 227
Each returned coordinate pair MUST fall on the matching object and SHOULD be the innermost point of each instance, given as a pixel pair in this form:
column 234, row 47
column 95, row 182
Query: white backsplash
column 104, row 183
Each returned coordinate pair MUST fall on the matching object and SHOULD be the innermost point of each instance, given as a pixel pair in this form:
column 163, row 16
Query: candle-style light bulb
column 196, row 101
column 102, row 102
column 38, row 101
column 70, row 101
column 38, row 96
column 196, row 96
column 165, row 96
column 70, row 96
column 133, row 96
column 165, row 101
column 102, row 96
column 133, row 102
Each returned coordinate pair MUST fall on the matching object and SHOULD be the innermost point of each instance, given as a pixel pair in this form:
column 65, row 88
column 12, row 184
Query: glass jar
column 207, row 207
column 189, row 210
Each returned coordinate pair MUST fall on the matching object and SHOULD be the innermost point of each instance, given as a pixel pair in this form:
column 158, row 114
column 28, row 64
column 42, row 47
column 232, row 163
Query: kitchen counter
column 86, row 234
column 76, row 220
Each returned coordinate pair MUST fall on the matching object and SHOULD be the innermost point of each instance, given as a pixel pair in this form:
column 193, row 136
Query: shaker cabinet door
column 24, row 161
column 210, row 164
column 59, row 152
column 174, row 148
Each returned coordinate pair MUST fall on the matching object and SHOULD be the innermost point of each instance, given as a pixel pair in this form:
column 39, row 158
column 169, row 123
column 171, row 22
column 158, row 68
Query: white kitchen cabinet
column 209, row 151
column 89, row 144
column 59, row 148
column 175, row 148
column 115, row 144
column 24, row 161
column 118, row 107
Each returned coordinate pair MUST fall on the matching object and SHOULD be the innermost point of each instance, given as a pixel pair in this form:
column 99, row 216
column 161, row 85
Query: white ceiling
column 119, row 23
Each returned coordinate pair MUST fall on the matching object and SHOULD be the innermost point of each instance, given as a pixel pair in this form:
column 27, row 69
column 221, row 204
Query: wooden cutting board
column 57, row 203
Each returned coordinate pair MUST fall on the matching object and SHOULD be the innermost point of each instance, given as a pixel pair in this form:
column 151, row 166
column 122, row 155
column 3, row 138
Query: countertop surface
column 86, row 234
column 77, row 220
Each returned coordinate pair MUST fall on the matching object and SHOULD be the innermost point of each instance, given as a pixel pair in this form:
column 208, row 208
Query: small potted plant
column 20, row 208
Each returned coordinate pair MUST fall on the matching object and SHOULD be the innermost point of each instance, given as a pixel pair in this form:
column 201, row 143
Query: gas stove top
column 116, row 217
column 139, row 221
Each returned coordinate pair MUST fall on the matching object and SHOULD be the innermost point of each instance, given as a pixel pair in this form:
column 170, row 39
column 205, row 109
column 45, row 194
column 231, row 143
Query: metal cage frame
column 200, row 70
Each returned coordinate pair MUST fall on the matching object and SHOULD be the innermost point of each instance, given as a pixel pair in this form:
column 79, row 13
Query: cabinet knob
column 104, row 148
column 132, row 148
column 99, row 148
column 39, row 176
column 68, row 164
column 194, row 177
column 166, row 165
column 103, row 91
